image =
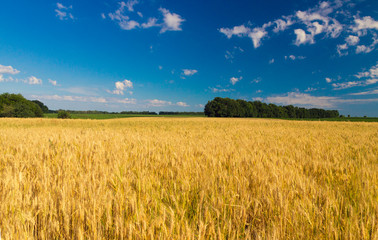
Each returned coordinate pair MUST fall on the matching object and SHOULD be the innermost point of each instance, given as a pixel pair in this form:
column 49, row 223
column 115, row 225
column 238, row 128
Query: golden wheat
column 197, row 178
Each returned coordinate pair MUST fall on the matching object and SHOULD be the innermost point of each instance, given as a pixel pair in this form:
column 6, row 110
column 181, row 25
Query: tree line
column 226, row 107
column 15, row 105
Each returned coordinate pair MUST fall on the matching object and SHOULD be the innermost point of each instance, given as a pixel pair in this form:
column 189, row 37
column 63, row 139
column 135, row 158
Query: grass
column 188, row 178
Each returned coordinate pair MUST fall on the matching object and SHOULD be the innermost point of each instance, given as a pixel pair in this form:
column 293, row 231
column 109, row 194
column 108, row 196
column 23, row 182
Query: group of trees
column 226, row 107
column 15, row 105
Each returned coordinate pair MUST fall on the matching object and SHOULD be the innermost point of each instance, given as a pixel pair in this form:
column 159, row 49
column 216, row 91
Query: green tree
column 15, row 105
column 63, row 114
column 44, row 108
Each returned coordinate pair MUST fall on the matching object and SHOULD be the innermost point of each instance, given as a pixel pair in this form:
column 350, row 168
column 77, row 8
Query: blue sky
column 177, row 55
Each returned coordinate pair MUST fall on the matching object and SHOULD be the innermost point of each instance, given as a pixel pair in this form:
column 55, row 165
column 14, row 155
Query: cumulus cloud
column 189, row 72
column 256, row 35
column 364, row 79
column 63, row 12
column 234, row 80
column 282, row 24
column 8, row 70
column 271, row 61
column 158, row 103
column 328, row 80
column 237, row 30
column 352, row 40
column 182, row 104
column 303, row 38
column 121, row 86
column 308, row 24
column 152, row 22
column 121, row 18
column 172, row 21
column 33, row 80
column 364, row 23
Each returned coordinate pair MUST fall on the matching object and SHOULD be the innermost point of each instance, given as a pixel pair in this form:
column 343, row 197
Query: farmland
column 188, row 178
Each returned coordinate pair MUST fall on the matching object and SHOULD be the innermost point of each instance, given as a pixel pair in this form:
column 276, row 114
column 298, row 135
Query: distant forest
column 226, row 107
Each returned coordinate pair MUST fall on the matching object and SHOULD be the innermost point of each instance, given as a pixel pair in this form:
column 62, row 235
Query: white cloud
column 365, row 78
column 259, row 91
column 237, row 30
column 367, row 49
column 103, row 16
column 363, row 49
column 158, row 103
column 152, row 22
column 304, row 99
column 341, row 49
column 8, row 70
column 61, row 6
column 172, row 21
column 303, row 38
column 234, row 80
column 33, row 80
column 63, row 12
column 123, row 100
column 256, row 35
column 182, row 104
column 292, row 57
column 271, row 61
column 130, row 5
column 220, row 90
column 128, row 25
column 328, row 80
column 344, row 85
column 160, row 67
column 120, row 87
column 297, row 98
column 52, row 82
column 372, row 92
column 70, row 98
column 189, row 72
column 123, row 21
column 316, row 20
column 282, row 24
column 364, row 23
column 352, row 40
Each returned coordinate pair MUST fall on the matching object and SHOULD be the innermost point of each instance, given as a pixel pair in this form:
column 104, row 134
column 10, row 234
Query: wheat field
column 188, row 178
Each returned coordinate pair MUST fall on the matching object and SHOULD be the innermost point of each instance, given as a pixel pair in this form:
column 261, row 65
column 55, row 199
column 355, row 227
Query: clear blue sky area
column 176, row 55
